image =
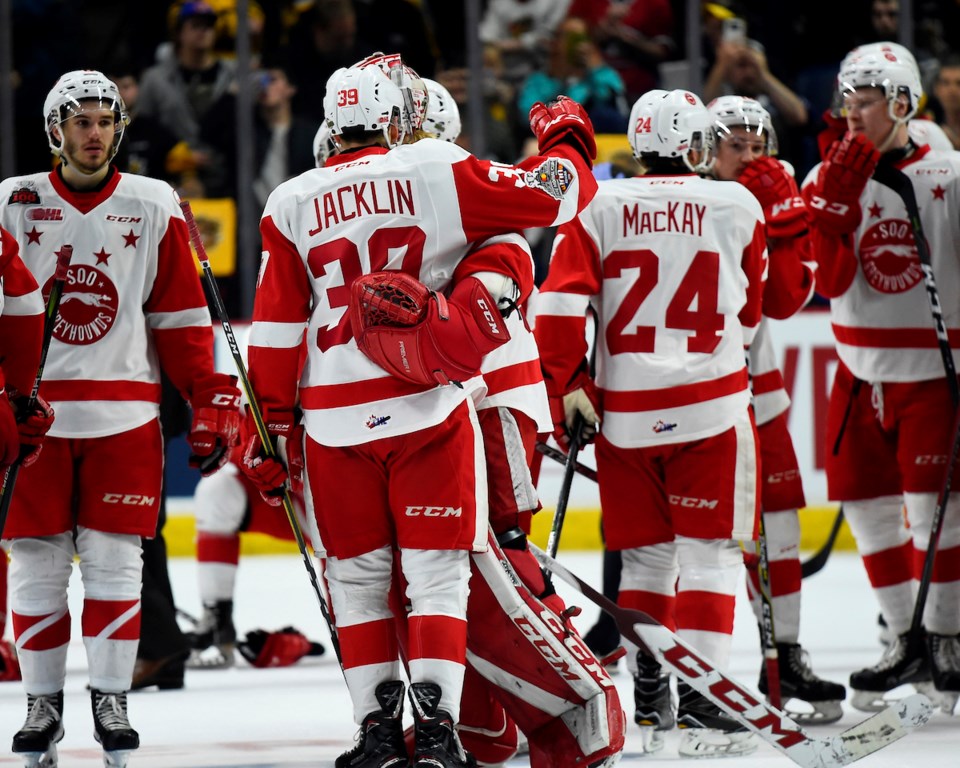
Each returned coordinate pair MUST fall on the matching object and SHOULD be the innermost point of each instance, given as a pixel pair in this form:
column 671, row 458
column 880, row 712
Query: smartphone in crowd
column 734, row 30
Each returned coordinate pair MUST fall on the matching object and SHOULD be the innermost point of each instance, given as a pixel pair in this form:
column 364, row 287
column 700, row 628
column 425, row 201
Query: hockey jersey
column 132, row 300
column 675, row 266
column 418, row 208
column 879, row 307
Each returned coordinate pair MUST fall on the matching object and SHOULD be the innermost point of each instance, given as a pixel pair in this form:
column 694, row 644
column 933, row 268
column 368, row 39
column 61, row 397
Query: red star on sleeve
column 875, row 211
column 130, row 240
column 938, row 192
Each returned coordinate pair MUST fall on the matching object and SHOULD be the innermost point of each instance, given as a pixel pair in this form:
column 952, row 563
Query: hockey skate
column 798, row 681
column 381, row 743
column 654, row 703
column 213, row 640
column 901, row 663
column 944, row 656
column 37, row 740
column 707, row 731
column 435, row 738
column 112, row 729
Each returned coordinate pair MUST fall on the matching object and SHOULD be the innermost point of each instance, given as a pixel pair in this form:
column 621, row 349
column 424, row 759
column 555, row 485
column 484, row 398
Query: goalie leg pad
column 486, row 730
column 547, row 680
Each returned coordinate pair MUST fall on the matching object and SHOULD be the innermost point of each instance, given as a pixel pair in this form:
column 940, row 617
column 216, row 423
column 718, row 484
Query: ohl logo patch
column 888, row 256
column 88, row 307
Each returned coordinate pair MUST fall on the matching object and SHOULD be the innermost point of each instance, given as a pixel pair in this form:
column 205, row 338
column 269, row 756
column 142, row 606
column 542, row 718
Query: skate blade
column 46, row 759
column 652, row 739
column 213, row 657
column 877, row 701
column 116, row 758
column 945, row 701
column 708, row 742
column 813, row 712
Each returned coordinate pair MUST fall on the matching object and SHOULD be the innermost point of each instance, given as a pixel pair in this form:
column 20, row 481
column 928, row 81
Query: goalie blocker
column 419, row 335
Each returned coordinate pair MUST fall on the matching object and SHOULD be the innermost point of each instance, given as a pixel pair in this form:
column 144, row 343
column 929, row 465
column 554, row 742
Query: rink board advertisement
column 805, row 350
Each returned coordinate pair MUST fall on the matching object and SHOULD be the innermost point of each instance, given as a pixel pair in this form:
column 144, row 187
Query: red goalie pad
column 419, row 336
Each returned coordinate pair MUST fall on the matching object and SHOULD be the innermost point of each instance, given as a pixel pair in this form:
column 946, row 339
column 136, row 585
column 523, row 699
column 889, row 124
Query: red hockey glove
column 834, row 200
column 833, row 130
column 776, row 189
column 270, row 473
column 216, row 422
column 563, row 121
column 580, row 398
column 418, row 335
column 277, row 649
column 32, row 425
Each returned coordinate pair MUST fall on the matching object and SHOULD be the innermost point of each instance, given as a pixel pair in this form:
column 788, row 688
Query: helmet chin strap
column 887, row 143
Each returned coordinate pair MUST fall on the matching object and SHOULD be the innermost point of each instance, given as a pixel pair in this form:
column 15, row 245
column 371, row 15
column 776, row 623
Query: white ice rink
column 301, row 715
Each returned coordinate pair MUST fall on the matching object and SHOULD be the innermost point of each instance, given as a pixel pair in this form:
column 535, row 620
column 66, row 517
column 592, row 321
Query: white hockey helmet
column 742, row 112
column 895, row 75
column 412, row 86
column 323, row 145
column 364, row 98
column 443, row 115
column 79, row 91
column 671, row 124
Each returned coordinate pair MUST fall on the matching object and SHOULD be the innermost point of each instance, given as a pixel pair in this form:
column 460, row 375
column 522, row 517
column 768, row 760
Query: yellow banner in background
column 217, row 222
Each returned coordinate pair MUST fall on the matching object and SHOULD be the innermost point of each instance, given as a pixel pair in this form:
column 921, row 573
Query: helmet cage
column 742, row 112
column 411, row 85
column 78, row 93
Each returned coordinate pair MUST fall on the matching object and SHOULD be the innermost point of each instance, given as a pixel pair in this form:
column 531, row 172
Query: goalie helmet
column 443, row 115
column 323, row 145
column 411, row 85
column 728, row 112
column 364, row 98
column 671, row 124
column 80, row 91
column 882, row 68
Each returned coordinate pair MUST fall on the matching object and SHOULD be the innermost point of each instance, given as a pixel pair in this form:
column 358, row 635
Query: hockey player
column 132, row 304
column 746, row 149
column 381, row 409
column 21, row 332
column 893, row 454
column 675, row 266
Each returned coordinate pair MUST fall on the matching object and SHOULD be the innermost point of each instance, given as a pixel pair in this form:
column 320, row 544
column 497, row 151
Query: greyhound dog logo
column 888, row 256
column 88, row 308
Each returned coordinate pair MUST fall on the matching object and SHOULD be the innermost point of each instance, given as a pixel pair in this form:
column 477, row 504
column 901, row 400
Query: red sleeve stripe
column 357, row 392
column 87, row 389
column 513, row 376
column 893, row 338
column 771, row 381
column 676, row 396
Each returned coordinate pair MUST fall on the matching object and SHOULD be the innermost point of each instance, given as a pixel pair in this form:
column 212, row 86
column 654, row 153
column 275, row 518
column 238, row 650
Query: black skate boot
column 944, row 654
column 902, row 662
column 798, row 681
column 708, row 731
column 436, row 742
column 112, row 729
column 213, row 641
column 37, row 740
column 381, row 743
column 654, row 705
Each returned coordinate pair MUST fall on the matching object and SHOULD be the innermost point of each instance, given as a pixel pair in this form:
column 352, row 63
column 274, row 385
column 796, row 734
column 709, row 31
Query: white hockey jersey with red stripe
column 675, row 266
column 21, row 318
column 880, row 312
column 132, row 301
column 419, row 208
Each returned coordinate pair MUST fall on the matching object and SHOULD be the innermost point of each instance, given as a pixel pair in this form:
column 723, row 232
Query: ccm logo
column 488, row 316
column 129, row 499
column 823, row 205
column 693, row 503
column 434, row 512
column 225, row 399
column 786, row 205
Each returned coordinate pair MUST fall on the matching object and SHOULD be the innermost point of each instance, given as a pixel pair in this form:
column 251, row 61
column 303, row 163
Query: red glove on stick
column 32, row 425
column 270, row 473
column 834, row 201
column 581, row 398
column 776, row 190
column 563, row 121
column 216, row 422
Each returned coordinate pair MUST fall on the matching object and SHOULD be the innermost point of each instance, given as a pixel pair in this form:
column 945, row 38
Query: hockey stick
column 553, row 541
column 268, row 449
column 819, row 559
column 560, row 457
column 49, row 321
column 771, row 656
column 900, row 183
column 769, row 723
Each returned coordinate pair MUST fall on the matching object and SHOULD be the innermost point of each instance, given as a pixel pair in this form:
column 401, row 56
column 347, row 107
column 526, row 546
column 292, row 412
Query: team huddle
column 399, row 345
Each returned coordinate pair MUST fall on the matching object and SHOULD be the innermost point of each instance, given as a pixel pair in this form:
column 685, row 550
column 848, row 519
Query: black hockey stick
column 900, row 183
column 49, row 321
column 553, row 541
column 768, row 635
column 268, row 449
column 819, row 559
column 769, row 723
column 561, row 458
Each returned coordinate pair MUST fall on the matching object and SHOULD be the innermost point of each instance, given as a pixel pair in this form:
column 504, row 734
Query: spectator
column 521, row 31
column 180, row 89
column 947, row 92
column 576, row 69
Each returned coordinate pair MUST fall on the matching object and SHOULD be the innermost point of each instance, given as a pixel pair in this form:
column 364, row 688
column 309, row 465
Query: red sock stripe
column 374, row 642
column 438, row 637
column 946, row 567
column 785, row 576
column 218, row 548
column 660, row 607
column 99, row 615
column 890, row 566
column 54, row 636
column 706, row 611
